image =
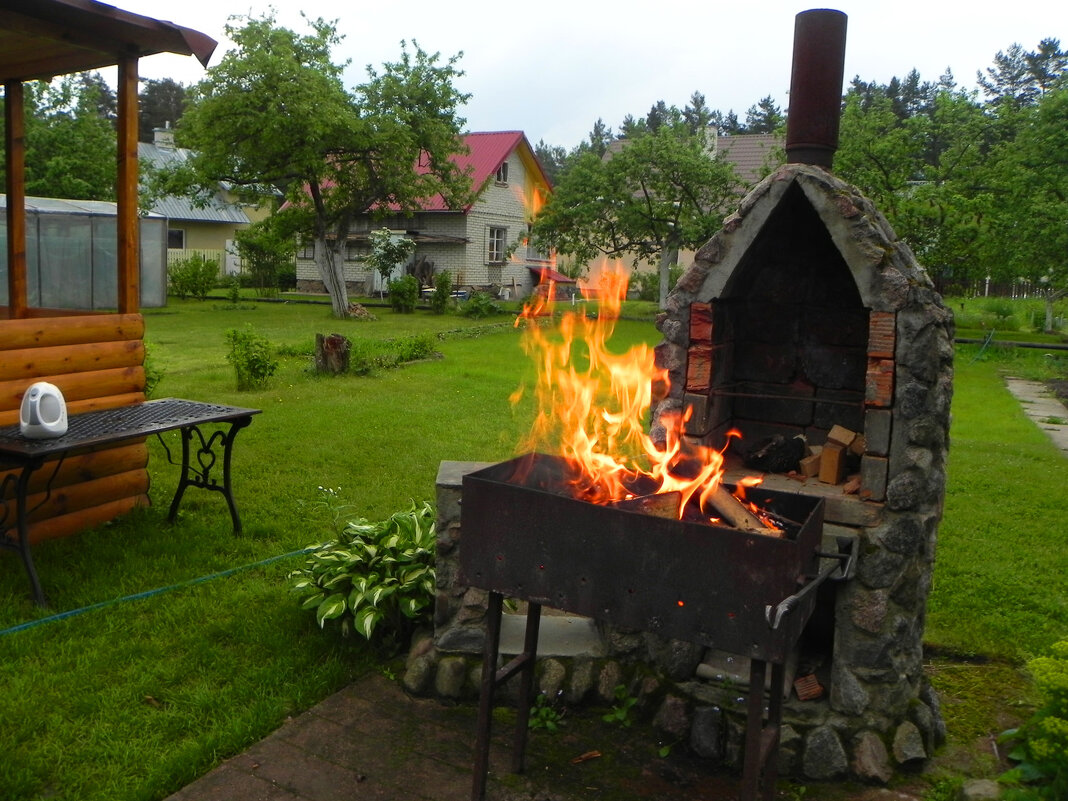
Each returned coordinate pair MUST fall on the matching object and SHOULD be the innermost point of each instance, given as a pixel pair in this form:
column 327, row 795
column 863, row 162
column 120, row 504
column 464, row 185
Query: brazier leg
column 486, row 693
column 526, row 684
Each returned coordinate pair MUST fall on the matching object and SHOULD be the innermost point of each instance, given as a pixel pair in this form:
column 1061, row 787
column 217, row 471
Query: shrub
column 195, row 276
column 404, row 294
column 267, row 248
column 252, row 358
column 1041, row 744
column 439, row 301
column 287, row 277
column 480, row 305
column 375, row 578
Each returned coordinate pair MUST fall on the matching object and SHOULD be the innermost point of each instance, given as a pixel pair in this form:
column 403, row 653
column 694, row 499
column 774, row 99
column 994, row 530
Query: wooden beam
column 129, row 247
column 15, row 186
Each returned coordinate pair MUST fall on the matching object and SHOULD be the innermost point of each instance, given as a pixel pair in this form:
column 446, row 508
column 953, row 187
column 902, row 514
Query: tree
column 553, row 159
column 1029, row 225
column 764, row 117
column 388, row 251
column 274, row 112
column 266, row 247
column 161, row 105
column 70, row 140
column 697, row 114
column 922, row 170
column 663, row 191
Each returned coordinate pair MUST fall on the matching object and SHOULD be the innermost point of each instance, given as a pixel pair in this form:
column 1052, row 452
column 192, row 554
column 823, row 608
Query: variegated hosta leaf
column 313, row 601
column 366, row 619
column 332, row 607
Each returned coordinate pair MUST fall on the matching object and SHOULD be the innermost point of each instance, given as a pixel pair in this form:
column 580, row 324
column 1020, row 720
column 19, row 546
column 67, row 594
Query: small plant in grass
column 195, row 276
column 620, row 711
column 480, row 305
column 545, row 715
column 1040, row 746
column 252, row 357
column 376, row 579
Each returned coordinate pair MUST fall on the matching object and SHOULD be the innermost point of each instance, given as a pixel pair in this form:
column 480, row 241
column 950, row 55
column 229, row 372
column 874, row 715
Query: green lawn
column 132, row 700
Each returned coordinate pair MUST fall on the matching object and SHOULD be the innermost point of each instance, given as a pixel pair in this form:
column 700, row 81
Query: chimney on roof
column 163, row 137
column 816, row 87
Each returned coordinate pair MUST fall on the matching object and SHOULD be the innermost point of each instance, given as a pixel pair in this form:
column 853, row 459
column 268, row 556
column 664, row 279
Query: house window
column 497, row 237
column 175, row 239
column 533, row 254
column 356, row 251
column 307, row 250
column 502, row 173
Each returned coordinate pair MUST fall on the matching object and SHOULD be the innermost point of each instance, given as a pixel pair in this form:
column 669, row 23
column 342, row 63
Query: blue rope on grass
column 137, row 596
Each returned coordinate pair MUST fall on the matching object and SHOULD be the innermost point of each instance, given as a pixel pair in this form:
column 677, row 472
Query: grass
column 135, row 699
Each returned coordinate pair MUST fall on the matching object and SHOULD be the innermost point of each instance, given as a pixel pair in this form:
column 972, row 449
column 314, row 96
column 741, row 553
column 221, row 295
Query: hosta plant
column 376, row 579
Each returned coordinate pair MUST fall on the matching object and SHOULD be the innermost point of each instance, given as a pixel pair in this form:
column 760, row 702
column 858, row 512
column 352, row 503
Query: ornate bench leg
column 198, row 474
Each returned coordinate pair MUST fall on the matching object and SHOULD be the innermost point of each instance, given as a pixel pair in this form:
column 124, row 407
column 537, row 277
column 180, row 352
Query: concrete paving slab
column 1043, row 407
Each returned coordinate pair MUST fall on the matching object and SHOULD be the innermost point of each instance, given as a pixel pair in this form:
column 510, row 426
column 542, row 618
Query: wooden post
column 129, row 247
column 15, row 186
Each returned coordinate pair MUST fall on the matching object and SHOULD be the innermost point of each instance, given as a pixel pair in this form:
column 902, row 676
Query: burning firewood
column 663, row 504
column 734, row 512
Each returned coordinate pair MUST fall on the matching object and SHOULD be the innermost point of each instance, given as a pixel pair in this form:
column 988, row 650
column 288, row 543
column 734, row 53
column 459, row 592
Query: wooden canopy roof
column 45, row 38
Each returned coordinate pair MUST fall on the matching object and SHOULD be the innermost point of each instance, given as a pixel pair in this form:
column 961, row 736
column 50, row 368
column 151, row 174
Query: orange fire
column 592, row 404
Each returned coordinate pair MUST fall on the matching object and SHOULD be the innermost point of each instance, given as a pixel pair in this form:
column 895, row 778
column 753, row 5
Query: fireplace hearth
column 803, row 317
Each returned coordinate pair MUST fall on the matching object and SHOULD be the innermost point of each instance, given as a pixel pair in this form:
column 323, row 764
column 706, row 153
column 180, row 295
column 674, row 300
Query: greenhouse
column 71, row 255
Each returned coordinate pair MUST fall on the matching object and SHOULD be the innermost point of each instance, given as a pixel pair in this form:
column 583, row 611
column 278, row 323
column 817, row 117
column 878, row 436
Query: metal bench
column 109, row 427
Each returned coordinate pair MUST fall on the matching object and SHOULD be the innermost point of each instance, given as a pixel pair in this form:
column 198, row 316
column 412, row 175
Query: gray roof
column 179, row 208
column 51, row 205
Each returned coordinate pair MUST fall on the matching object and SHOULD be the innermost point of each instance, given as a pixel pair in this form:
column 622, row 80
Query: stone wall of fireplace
column 802, row 313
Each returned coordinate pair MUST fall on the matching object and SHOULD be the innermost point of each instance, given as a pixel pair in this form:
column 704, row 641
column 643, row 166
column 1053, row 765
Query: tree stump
column 332, row 353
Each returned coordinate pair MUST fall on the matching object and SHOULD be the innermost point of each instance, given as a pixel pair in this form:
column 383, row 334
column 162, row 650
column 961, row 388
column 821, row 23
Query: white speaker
column 43, row 413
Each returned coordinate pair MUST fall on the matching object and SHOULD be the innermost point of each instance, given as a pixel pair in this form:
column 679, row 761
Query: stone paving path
column 373, row 742
column 1043, row 407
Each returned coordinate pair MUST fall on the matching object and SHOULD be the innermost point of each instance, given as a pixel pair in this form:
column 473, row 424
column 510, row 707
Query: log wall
column 97, row 361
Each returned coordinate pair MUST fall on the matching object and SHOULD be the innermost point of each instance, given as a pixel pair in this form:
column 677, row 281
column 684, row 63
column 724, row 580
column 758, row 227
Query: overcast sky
column 556, row 66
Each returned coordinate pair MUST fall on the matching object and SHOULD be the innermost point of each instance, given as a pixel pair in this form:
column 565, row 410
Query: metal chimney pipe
column 816, row 87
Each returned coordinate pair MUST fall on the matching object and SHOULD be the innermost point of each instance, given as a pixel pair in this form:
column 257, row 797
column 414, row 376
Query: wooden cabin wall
column 97, row 361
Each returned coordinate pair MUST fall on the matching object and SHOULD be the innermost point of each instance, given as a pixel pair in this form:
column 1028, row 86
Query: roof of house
column 753, row 155
column 486, row 151
column 181, row 208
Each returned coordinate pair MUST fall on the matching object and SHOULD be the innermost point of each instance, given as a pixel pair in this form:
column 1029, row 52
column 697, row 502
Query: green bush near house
column 442, row 296
column 404, row 294
column 193, row 277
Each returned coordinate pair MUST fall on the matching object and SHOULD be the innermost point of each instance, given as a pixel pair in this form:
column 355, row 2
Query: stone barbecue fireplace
column 806, row 325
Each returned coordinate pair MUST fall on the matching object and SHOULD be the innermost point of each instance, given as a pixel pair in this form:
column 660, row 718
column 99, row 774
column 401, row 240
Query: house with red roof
column 482, row 246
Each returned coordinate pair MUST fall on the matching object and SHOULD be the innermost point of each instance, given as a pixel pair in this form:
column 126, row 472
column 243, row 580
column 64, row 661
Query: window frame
column 175, row 232
column 496, row 244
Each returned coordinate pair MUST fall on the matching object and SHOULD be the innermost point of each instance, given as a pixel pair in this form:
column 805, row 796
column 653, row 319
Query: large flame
column 592, row 404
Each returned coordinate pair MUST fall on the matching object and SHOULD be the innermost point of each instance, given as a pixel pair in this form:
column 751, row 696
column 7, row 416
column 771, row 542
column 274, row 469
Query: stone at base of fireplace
column 821, row 739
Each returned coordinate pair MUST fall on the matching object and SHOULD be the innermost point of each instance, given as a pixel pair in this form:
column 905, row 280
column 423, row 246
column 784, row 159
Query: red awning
column 546, row 274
